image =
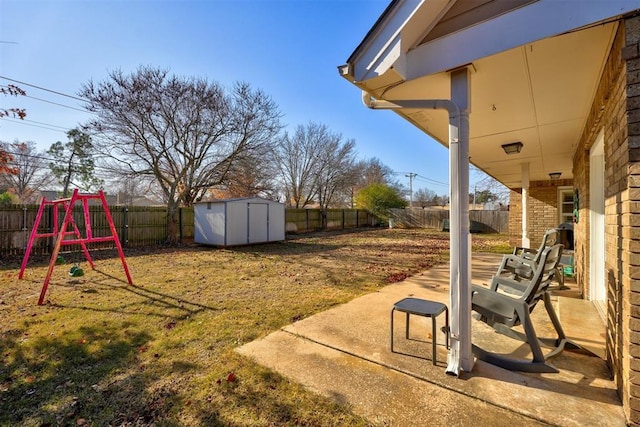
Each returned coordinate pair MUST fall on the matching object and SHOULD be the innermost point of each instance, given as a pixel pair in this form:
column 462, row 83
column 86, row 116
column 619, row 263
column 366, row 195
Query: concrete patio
column 344, row 353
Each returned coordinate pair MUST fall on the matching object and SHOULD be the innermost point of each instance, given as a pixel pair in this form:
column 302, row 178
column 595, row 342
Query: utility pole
column 411, row 175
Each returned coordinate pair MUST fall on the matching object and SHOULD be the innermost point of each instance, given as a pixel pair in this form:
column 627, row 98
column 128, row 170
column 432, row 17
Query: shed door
column 258, row 222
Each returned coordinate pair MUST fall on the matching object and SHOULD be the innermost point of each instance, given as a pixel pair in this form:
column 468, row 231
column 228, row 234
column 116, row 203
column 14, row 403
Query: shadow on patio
column 344, row 353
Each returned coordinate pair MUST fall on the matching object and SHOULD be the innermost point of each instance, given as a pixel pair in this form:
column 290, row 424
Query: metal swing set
column 70, row 229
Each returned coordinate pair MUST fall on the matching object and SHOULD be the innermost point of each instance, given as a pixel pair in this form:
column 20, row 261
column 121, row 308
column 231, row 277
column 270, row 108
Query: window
column 565, row 205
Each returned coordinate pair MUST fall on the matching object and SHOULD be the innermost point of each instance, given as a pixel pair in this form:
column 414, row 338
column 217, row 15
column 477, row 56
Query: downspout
column 526, row 243
column 460, row 354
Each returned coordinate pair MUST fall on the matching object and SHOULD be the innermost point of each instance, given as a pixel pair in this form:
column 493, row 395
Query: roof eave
column 383, row 48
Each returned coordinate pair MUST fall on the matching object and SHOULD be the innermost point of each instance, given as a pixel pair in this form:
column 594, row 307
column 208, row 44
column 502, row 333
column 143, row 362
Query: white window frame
column 564, row 217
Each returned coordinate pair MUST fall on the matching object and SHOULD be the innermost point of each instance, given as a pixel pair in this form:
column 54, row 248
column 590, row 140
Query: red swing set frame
column 61, row 233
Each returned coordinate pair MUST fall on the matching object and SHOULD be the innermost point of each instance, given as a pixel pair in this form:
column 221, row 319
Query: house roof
column 535, row 67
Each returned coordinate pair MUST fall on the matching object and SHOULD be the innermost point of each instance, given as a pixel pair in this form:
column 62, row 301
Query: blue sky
column 288, row 48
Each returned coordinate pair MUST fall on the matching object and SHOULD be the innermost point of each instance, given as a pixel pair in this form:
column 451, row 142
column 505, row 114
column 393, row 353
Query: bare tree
column 31, row 172
column 373, row 171
column 489, row 189
column 337, row 171
column 251, row 176
column 130, row 188
column 12, row 90
column 425, row 197
column 298, row 157
column 20, row 113
column 187, row 133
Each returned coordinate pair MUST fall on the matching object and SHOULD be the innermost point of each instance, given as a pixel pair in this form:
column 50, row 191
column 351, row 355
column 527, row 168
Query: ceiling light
column 513, row 148
column 555, row 175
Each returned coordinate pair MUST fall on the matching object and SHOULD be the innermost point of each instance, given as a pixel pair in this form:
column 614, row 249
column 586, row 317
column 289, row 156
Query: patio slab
column 344, row 353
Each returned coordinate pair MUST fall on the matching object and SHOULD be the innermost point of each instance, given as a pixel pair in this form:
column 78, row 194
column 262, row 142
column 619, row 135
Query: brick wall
column 627, row 181
column 615, row 113
column 617, row 118
column 542, row 208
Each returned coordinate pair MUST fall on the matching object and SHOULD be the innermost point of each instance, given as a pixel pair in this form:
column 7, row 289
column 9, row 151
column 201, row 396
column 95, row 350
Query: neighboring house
column 132, row 200
column 557, row 84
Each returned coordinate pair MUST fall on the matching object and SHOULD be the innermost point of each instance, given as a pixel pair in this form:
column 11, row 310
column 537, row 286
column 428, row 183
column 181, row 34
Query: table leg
column 433, row 338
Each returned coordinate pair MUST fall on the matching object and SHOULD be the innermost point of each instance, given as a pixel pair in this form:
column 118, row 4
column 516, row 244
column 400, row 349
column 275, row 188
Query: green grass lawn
column 101, row 352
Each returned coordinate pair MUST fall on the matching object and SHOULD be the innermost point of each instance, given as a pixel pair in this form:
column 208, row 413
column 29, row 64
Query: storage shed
column 241, row 221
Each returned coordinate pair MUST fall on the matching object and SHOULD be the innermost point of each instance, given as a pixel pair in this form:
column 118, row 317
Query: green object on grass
column 76, row 271
column 60, row 260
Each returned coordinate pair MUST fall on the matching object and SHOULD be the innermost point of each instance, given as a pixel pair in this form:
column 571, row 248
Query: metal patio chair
column 508, row 302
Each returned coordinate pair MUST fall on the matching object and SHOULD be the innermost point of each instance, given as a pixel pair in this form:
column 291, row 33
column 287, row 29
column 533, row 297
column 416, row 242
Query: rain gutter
column 460, row 354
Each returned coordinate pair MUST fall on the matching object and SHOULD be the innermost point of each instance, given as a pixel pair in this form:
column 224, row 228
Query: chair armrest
column 526, row 253
column 505, row 298
column 522, row 267
column 512, row 286
column 518, row 260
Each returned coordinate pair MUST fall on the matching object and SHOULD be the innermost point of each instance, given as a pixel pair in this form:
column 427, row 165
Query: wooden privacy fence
column 303, row 220
column 481, row 221
column 136, row 226
column 147, row 226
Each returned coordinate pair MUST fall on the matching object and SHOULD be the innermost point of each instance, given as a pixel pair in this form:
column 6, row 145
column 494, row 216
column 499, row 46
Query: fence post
column 51, row 227
column 180, row 223
column 306, row 212
column 124, row 240
column 24, row 227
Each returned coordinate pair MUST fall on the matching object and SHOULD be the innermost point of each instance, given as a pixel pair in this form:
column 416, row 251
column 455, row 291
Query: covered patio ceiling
column 534, row 73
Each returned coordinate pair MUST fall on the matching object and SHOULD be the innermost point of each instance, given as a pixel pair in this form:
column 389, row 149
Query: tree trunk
column 173, row 233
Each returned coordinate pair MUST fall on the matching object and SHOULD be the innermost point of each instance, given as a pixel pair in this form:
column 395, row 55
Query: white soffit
column 383, row 46
column 536, row 21
column 539, row 94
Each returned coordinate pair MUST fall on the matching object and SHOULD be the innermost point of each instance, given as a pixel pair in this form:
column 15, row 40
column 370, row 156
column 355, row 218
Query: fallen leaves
column 231, row 378
column 170, row 325
column 396, row 277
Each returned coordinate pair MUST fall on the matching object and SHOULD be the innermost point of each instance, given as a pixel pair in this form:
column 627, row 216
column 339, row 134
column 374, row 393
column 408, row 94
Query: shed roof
column 237, row 199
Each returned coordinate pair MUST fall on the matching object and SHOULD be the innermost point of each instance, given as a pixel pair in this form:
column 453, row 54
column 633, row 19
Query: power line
column 42, row 88
column 26, row 123
column 433, row 181
column 421, row 177
column 43, row 157
column 58, row 104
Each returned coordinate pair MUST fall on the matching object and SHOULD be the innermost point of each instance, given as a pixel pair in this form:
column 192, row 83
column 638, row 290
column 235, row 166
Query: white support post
column 460, row 356
column 526, row 243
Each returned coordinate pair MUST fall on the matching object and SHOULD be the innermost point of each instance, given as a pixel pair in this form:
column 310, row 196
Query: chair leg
column 561, row 342
column 433, row 339
column 538, row 362
column 446, row 326
column 406, row 335
column 532, row 338
column 392, row 310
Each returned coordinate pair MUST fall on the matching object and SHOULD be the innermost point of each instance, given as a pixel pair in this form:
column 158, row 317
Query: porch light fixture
column 555, row 175
column 512, row 148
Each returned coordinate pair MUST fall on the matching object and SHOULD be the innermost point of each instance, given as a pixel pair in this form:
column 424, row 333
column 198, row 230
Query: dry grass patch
column 101, row 352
